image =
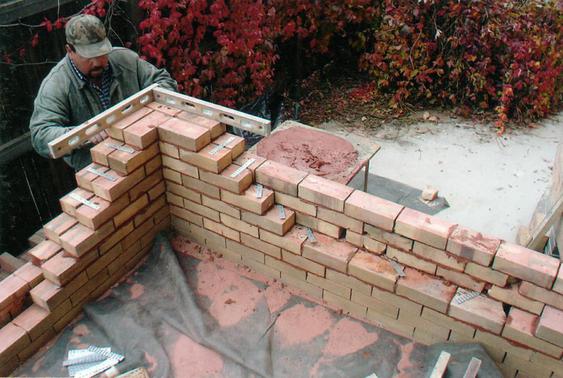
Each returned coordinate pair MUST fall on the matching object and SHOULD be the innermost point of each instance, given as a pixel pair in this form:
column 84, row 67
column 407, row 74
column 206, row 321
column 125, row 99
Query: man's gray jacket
column 64, row 101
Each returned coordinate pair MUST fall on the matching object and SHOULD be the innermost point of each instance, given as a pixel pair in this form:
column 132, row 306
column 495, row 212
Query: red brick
column 481, row 311
column 93, row 218
column 150, row 210
column 438, row 256
column 12, row 340
column 112, row 190
column 261, row 246
column 84, row 178
column 34, row 321
column 526, row 264
column 348, row 281
column 310, row 266
column 236, row 145
column 291, row 241
column 356, row 239
column 472, row 245
column 186, row 215
column 184, row 134
column 146, row 184
column 372, row 245
column 542, row 295
column 224, row 180
column 425, row 228
column 204, row 158
column 271, row 221
column 296, row 204
column 373, row 210
column 125, row 163
column 116, row 130
column 258, row 160
column 80, row 239
column 348, row 307
column 520, row 326
column 319, row 225
column 389, row 238
column 239, row 225
column 340, row 219
column 220, row 206
column 324, row 192
column 245, row 252
column 61, row 268
column 165, row 109
column 157, row 190
column 30, row 274
column 43, row 252
column 285, row 268
column 36, row 344
column 558, row 285
column 183, row 192
column 202, row 210
column 550, row 326
column 215, row 128
column 486, row 274
column 342, row 291
column 101, row 151
column 373, row 269
column 58, row 226
column 10, row 263
column 12, row 287
column 329, row 252
column 248, row 200
column 202, row 187
column 221, row 229
column 411, row 260
column 69, row 204
column 460, row 279
column 169, row 149
column 510, row 295
column 426, row 290
column 144, row 132
column 116, row 237
column 51, row 296
column 131, row 210
column 279, row 177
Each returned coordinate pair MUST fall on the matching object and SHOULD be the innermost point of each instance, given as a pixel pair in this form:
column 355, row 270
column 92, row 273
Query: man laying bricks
column 92, row 77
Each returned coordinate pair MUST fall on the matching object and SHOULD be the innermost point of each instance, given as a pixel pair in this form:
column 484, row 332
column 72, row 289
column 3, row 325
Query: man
column 91, row 78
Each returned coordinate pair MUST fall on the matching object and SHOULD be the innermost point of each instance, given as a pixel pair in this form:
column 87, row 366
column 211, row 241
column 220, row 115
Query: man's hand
column 98, row 137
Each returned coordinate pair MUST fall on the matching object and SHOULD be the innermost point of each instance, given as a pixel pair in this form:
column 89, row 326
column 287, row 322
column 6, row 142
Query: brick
column 202, row 187
column 442, row 320
column 153, row 164
column 179, row 166
column 84, row 177
column 460, row 279
column 157, row 190
column 138, row 233
column 260, row 268
column 173, row 199
column 43, row 252
column 548, row 362
column 231, row 142
column 375, row 304
column 95, row 218
column 79, row 297
column 171, row 175
column 550, row 326
column 321, row 191
column 224, row 180
column 149, row 211
column 102, row 262
column 12, row 340
column 440, row 332
column 247, row 253
column 125, row 163
column 541, row 295
column 67, row 318
column 373, row 210
column 394, row 300
column 279, row 177
column 101, row 151
column 61, row 269
column 420, row 335
column 497, row 346
column 239, row 225
column 510, row 295
column 242, row 159
column 185, row 134
column 202, row 210
column 390, row 324
column 69, row 204
column 318, row 225
column 411, row 260
column 296, row 204
column 215, row 128
column 169, row 149
column 291, row 241
column 248, row 200
column 303, row 263
column 119, row 264
column 271, row 220
column 10, row 263
column 144, row 132
column 347, row 306
column 30, row 274
column 558, row 285
column 116, row 237
column 424, row 228
column 34, row 321
column 179, row 190
column 129, row 212
column 340, row 219
column 146, row 184
column 438, row 256
column 348, row 281
column 472, row 245
column 526, row 369
column 302, row 286
column 373, row 269
column 50, row 296
column 261, row 246
column 372, row 245
column 425, row 289
column 486, row 274
column 389, row 238
column 526, row 264
column 221, row 207
column 58, row 226
column 221, row 229
column 208, row 158
column 116, row 130
column 36, row 344
column 481, row 311
column 355, row 239
column 112, row 190
column 80, row 239
column 285, row 268
column 520, row 326
column 11, row 288
column 329, row 252
column 164, row 109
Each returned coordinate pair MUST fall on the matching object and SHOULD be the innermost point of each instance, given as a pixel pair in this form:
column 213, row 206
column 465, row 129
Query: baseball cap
column 88, row 36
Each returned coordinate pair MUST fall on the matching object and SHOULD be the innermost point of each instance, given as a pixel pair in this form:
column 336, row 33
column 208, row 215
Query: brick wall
column 183, row 172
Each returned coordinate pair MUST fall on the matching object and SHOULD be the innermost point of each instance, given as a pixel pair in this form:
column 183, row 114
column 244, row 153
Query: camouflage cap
column 88, row 36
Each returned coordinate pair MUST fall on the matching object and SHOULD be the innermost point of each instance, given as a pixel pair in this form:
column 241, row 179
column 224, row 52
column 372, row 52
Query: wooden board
column 441, row 365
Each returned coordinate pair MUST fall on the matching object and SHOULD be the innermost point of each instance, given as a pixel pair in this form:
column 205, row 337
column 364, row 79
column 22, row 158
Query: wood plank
column 15, row 148
column 536, row 235
column 441, row 365
column 472, row 368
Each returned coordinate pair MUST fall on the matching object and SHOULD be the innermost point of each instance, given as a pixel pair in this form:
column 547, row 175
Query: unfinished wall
column 185, row 169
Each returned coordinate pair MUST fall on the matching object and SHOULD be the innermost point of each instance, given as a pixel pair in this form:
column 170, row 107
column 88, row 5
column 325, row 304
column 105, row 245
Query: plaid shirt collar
column 102, row 91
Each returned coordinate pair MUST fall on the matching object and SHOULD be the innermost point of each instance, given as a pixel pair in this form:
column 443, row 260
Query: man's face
column 92, row 68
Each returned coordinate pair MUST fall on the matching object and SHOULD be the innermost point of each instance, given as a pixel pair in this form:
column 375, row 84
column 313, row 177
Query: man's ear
column 68, row 48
